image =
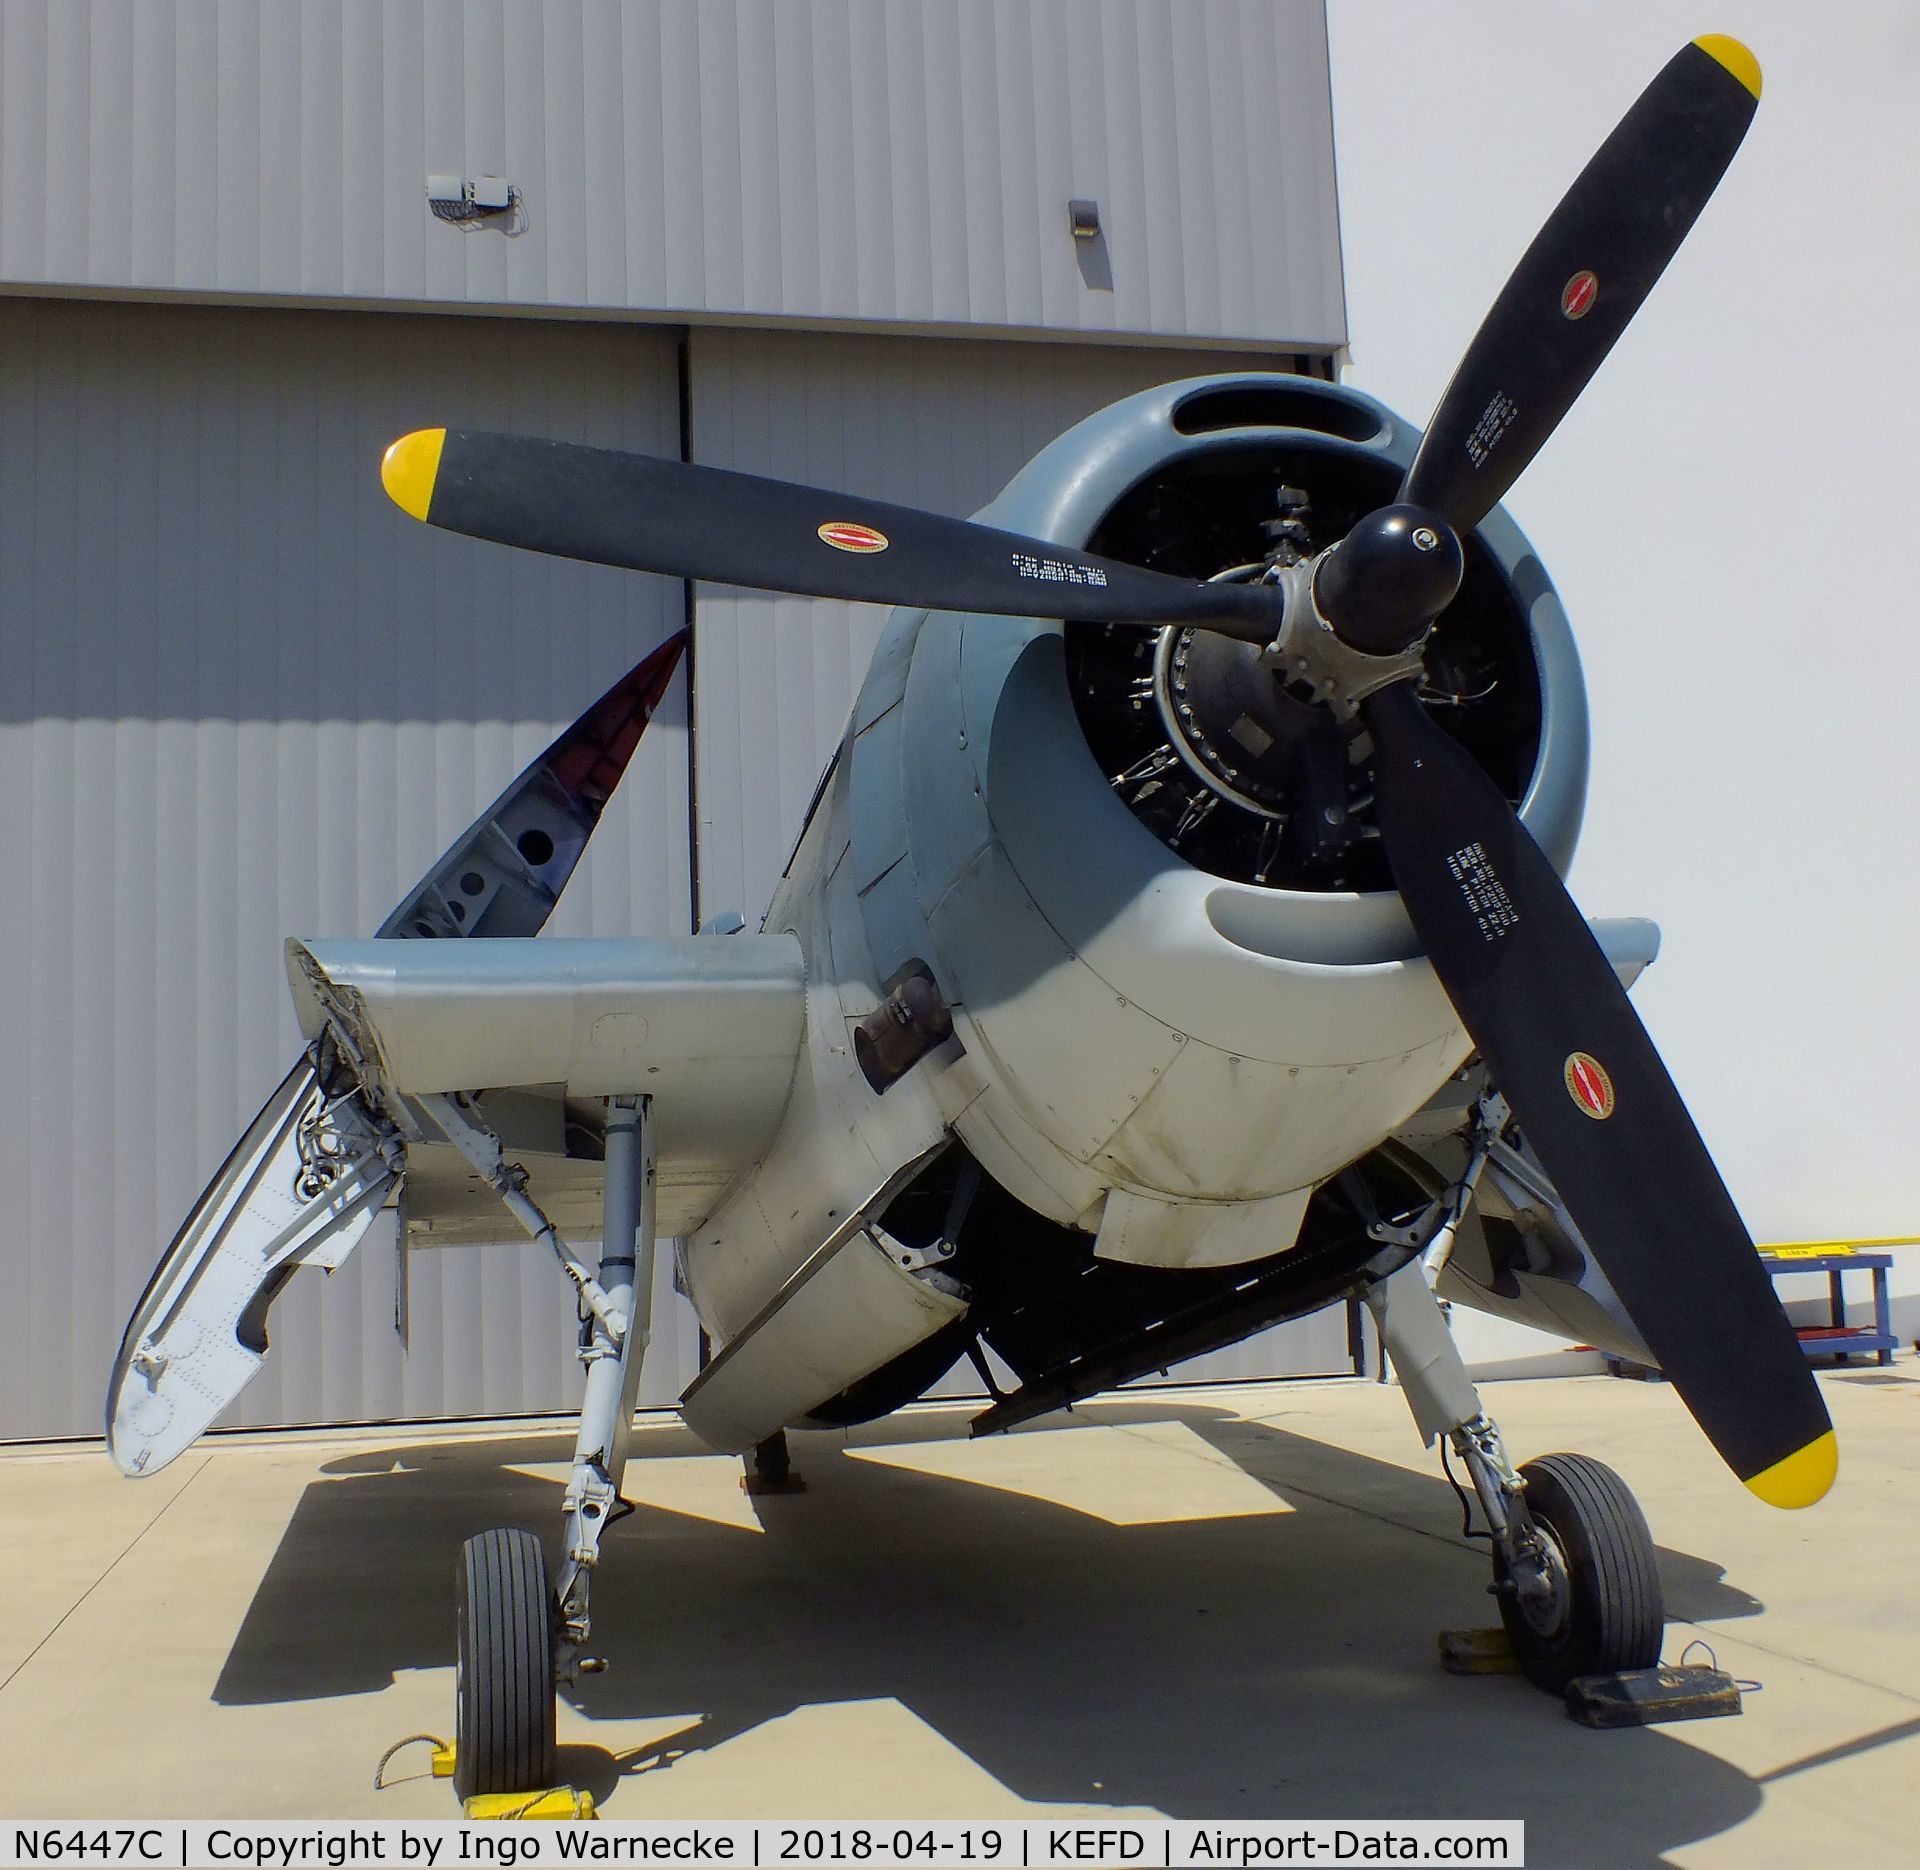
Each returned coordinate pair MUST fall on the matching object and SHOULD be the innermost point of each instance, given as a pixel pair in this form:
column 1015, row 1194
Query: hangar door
column 938, row 423
column 241, row 697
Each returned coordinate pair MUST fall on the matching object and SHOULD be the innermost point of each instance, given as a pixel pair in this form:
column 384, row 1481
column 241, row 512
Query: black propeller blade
column 1587, row 1088
column 700, row 522
column 1559, row 1037
column 1583, row 279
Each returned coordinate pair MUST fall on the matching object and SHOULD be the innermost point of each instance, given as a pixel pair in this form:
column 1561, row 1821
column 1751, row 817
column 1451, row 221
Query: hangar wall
column 809, row 160
column 1727, row 515
column 928, row 422
column 245, row 699
column 240, row 697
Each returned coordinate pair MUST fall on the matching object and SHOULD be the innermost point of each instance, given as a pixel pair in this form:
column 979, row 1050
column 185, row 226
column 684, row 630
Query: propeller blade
column 611, row 508
column 1585, row 1084
column 1583, row 279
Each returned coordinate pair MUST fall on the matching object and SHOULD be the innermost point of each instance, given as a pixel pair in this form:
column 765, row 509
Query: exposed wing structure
column 505, row 872
column 304, row 1183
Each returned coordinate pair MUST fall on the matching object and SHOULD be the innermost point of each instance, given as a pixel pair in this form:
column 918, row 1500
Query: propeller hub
column 1387, row 580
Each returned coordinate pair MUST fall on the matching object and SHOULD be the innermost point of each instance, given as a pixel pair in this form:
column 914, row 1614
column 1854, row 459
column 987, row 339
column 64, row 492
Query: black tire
column 503, row 1672
column 1611, row 1616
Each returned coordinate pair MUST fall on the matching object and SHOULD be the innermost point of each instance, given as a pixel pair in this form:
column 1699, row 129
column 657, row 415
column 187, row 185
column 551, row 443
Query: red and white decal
column 1589, row 1086
column 846, row 535
column 1578, row 294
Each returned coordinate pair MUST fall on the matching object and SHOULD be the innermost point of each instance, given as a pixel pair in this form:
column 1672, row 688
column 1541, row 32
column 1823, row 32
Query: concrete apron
column 1206, row 1603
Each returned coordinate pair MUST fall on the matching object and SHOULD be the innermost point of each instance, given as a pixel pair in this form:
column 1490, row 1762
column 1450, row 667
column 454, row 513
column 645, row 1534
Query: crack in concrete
column 19, row 1667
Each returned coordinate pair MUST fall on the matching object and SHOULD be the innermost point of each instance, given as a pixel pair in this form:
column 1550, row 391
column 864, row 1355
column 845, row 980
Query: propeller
column 1568, row 1052
column 612, row 508
column 1514, row 954
column 1519, row 963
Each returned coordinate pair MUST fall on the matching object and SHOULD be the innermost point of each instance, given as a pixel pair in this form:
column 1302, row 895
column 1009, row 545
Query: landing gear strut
column 1573, row 1562
column 517, row 1636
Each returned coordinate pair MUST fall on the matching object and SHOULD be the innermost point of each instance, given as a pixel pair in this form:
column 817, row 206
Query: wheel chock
column 1642, row 1697
column 758, row 1486
column 1478, row 1652
column 562, row 1803
column 442, row 1762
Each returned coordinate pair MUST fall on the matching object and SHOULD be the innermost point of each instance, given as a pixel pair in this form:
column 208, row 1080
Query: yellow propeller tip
column 1734, row 56
column 1803, row 1477
column 408, row 468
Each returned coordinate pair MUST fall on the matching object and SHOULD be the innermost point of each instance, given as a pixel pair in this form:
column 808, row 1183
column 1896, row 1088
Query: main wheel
column 1600, row 1610
column 503, row 1673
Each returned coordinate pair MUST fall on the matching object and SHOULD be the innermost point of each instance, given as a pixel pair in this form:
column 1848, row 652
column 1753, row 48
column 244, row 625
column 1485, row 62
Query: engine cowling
column 1181, row 997
column 1160, row 1045
column 1245, row 779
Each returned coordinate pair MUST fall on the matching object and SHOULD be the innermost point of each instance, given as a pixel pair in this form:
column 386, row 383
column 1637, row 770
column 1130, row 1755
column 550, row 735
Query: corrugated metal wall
column 928, row 422
column 241, row 696
column 800, row 159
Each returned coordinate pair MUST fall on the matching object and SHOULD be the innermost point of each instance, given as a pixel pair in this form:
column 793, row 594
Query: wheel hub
column 1542, row 1586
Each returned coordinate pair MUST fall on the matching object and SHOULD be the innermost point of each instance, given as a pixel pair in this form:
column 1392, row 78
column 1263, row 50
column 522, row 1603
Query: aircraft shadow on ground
column 1264, row 1665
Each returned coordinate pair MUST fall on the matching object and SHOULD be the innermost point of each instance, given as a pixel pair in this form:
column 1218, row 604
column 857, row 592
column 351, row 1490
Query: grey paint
column 932, row 423
column 241, row 697
column 1066, row 491
column 706, row 1026
column 817, row 160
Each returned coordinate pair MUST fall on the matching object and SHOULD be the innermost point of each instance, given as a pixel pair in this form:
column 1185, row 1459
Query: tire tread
column 506, row 1731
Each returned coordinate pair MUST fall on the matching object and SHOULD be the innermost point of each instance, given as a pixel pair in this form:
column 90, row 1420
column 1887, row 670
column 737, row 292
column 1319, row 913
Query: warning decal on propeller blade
column 847, row 535
column 1494, row 422
column 1482, row 894
column 1589, row 1086
column 1578, row 294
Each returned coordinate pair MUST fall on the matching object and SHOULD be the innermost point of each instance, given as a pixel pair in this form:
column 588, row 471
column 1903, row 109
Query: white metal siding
column 242, row 697
column 817, row 160
column 929, row 422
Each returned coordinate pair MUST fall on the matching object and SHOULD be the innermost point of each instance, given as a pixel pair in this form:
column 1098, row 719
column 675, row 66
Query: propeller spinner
column 1514, row 954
